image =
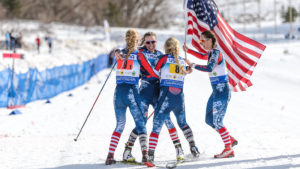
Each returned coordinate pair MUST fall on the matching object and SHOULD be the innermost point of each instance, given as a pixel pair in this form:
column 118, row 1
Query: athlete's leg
column 222, row 93
column 137, row 112
column 162, row 110
column 179, row 111
column 209, row 111
column 120, row 113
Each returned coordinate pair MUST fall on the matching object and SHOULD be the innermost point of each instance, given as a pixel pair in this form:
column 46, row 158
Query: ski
column 187, row 159
column 171, row 165
column 148, row 164
column 164, row 164
column 130, row 162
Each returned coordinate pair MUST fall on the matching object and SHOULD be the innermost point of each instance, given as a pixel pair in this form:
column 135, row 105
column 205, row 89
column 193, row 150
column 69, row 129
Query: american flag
column 241, row 53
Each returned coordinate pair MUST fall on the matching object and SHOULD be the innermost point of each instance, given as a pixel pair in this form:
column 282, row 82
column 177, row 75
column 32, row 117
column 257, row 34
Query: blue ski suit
column 220, row 97
column 150, row 86
column 127, row 90
column 171, row 96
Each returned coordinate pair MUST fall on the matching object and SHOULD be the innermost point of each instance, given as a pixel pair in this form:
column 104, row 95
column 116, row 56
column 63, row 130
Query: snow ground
column 264, row 119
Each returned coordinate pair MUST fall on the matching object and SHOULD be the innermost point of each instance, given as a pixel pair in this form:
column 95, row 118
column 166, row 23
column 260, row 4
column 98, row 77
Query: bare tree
column 140, row 13
column 2, row 12
column 93, row 11
column 128, row 13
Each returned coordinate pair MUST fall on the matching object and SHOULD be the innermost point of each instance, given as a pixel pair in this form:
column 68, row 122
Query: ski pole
column 75, row 139
column 185, row 27
column 150, row 115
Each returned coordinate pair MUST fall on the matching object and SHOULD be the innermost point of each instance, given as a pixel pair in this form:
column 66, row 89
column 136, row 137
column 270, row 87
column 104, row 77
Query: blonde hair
column 145, row 35
column 172, row 47
column 131, row 39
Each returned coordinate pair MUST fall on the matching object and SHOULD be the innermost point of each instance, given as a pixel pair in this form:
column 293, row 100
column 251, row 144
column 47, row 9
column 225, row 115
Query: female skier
column 149, row 92
column 127, row 94
column 218, row 101
column 171, row 96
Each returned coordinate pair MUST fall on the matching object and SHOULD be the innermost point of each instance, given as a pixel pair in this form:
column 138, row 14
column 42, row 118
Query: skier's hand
column 184, row 47
column 188, row 62
column 118, row 54
column 189, row 70
column 185, row 70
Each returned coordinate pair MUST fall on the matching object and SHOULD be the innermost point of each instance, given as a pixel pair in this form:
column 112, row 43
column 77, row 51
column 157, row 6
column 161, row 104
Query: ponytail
column 172, row 47
column 131, row 41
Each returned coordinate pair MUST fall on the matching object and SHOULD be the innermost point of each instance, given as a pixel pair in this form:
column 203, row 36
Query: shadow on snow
column 187, row 165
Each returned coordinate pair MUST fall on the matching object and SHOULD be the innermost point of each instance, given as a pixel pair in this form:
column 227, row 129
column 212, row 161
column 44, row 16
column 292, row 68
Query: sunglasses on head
column 150, row 42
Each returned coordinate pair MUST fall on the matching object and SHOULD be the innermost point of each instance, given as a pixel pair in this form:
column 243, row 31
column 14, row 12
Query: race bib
column 127, row 65
column 175, row 69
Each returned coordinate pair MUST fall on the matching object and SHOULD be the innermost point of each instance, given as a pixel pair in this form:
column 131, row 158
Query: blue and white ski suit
column 127, row 90
column 218, row 101
column 150, row 86
column 171, row 96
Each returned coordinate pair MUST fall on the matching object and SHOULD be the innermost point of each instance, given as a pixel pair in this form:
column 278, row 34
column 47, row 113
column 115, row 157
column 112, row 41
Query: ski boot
column 179, row 152
column 146, row 159
column 194, row 150
column 151, row 156
column 227, row 153
column 127, row 156
column 110, row 159
column 234, row 142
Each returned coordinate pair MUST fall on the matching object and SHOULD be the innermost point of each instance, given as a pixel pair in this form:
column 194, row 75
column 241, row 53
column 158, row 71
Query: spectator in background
column 19, row 40
column 38, row 43
column 7, row 40
column 12, row 41
column 49, row 40
column 16, row 36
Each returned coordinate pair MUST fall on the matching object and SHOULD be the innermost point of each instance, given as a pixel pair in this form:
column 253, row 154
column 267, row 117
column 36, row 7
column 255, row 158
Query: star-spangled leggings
column 127, row 95
column 217, row 105
column 168, row 102
column 149, row 92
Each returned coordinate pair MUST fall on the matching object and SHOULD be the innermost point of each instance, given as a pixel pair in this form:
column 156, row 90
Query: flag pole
column 185, row 25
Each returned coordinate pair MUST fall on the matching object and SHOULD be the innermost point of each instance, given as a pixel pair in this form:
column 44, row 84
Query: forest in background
column 141, row 13
column 119, row 13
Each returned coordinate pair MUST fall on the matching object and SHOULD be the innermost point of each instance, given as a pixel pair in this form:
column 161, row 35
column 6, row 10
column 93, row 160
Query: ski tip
column 174, row 164
column 171, row 165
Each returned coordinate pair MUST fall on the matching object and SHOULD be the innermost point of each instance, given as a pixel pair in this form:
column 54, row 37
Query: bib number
column 174, row 68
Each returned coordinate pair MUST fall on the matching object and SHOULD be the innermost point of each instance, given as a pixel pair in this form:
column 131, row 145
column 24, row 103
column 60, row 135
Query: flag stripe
column 252, row 54
column 232, row 55
column 234, row 48
column 237, row 75
column 239, row 47
column 256, row 46
column 240, row 57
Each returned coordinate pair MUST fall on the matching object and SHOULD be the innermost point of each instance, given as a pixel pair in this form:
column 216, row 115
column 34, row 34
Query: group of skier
column 161, row 78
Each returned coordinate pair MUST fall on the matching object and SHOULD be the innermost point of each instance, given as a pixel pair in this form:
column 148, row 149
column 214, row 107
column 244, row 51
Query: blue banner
column 34, row 85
